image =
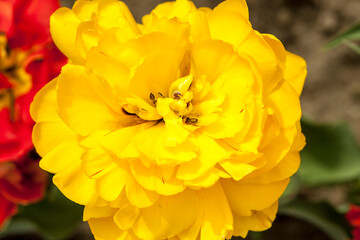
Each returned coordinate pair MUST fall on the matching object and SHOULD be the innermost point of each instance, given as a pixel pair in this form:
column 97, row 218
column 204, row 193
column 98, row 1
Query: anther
column 152, row 98
column 191, row 120
column 177, row 95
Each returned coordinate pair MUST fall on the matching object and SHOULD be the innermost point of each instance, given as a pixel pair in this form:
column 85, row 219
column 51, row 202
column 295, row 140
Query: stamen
column 7, row 49
column 152, row 98
column 10, row 69
column 191, row 120
column 177, row 95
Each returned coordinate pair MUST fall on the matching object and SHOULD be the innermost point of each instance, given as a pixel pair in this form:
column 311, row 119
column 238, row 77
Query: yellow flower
column 183, row 127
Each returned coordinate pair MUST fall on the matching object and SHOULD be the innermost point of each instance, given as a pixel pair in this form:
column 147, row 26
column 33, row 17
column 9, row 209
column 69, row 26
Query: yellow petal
column 210, row 154
column 79, row 104
column 62, row 156
column 111, row 181
column 112, row 83
column 208, row 180
column 155, row 78
column 299, row 142
column 250, row 197
column 269, row 54
column 199, row 26
column 152, row 179
column 63, row 27
column 84, row 9
column 223, row 23
column 238, row 6
column 178, row 30
column 286, row 105
column 285, row 169
column 55, row 133
column 211, row 58
column 111, row 42
column 167, row 217
column 43, row 108
column 129, row 235
column 179, row 9
column 193, row 232
column 98, row 212
column 141, row 108
column 105, row 228
column 161, row 10
column 108, row 68
column 153, row 143
column 118, row 141
column 131, row 53
column 271, row 130
column 295, row 71
column 236, row 169
column 113, row 13
column 75, row 185
column 217, row 221
column 236, row 111
column 86, row 38
column 95, row 160
column 278, row 49
column 138, row 196
column 126, row 216
column 49, row 124
column 258, row 221
column 277, row 150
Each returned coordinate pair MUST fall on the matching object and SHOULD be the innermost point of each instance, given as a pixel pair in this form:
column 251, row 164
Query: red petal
column 356, row 234
column 4, row 82
column 15, row 137
column 6, row 16
column 353, row 215
column 7, row 209
column 31, row 23
column 24, row 183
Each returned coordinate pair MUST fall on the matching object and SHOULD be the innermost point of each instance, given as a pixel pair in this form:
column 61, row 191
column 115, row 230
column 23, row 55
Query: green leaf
column 351, row 34
column 321, row 215
column 54, row 218
column 291, row 190
column 19, row 227
column 331, row 155
column 352, row 46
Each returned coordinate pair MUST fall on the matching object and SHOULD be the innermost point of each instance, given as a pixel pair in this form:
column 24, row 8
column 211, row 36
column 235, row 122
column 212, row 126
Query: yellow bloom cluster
column 183, row 127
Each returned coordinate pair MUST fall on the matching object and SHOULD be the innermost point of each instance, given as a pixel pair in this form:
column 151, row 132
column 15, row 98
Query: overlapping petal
column 183, row 127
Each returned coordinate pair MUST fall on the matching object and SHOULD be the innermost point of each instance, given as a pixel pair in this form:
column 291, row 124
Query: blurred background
column 331, row 94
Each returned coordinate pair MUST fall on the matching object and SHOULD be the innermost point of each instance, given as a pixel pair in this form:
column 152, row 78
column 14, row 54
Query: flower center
column 177, row 104
column 181, row 96
column 194, row 102
column 14, row 80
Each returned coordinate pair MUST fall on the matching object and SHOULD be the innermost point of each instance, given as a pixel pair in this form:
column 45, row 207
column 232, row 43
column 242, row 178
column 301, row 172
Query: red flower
column 21, row 182
column 353, row 217
column 28, row 60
